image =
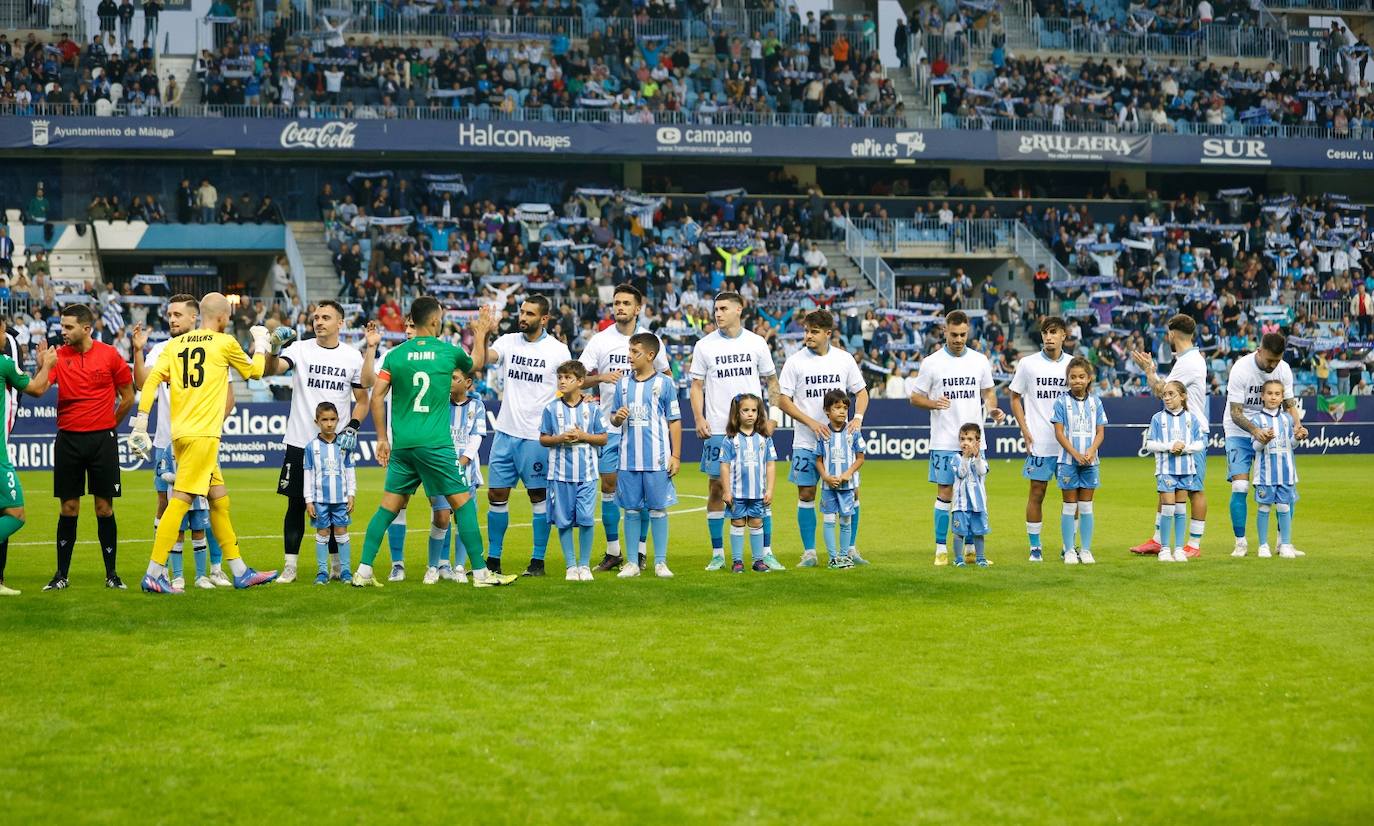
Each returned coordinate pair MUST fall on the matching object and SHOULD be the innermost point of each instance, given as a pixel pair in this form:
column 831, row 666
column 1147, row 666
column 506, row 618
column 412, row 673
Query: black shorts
column 291, row 482
column 86, row 463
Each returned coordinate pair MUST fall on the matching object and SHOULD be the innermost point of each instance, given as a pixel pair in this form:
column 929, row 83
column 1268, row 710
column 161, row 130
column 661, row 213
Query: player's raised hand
column 372, row 334
column 47, row 356
column 1143, row 360
column 138, row 337
column 612, row 377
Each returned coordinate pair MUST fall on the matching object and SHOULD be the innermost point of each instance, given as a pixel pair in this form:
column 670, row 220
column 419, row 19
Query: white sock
column 155, row 570
column 238, row 566
column 939, row 549
column 291, row 560
column 1195, row 528
column 364, row 571
column 613, row 547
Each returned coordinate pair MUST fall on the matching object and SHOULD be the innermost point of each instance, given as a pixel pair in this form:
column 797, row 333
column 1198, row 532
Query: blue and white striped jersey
column 468, row 425
column 970, row 490
column 748, row 457
column 330, row 477
column 644, row 443
column 1081, row 418
column 575, row 462
column 838, row 452
column 1167, row 428
column 1274, row 463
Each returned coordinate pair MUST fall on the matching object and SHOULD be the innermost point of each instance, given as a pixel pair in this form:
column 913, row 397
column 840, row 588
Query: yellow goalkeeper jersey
column 195, row 366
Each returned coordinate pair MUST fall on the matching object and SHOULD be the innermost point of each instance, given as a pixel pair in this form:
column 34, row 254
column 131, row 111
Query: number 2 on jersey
column 420, row 381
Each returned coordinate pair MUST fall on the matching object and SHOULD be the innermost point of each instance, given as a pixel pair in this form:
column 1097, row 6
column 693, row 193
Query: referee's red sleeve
column 119, row 369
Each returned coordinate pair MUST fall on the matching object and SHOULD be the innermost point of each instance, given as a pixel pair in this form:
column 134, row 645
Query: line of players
column 726, row 364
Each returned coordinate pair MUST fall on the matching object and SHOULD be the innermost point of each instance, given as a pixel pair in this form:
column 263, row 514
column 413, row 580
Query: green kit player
column 417, row 374
column 11, row 492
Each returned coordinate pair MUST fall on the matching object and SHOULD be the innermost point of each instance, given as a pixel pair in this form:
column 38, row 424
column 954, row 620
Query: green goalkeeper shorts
column 436, row 468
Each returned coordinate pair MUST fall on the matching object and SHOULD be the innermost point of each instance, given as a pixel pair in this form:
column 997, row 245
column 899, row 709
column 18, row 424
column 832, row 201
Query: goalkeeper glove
column 260, row 336
column 348, row 437
column 281, row 337
column 139, row 442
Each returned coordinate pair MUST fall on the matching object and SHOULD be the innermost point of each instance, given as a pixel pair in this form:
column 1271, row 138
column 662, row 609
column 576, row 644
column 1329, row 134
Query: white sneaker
column 204, row 583
column 1263, row 552
column 1296, row 552
column 808, row 560
column 446, row 573
column 628, row 570
column 1179, row 555
column 661, row 571
column 584, row 574
column 460, row 575
column 431, row 576
column 179, row 583
column 398, row 573
column 221, row 580
column 1085, row 556
column 1166, row 555
column 574, row 574
column 1288, row 552
column 1242, row 547
column 1070, row 557
column 288, row 575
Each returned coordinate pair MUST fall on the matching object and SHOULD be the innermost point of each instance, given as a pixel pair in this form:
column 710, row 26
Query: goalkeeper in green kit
column 417, row 374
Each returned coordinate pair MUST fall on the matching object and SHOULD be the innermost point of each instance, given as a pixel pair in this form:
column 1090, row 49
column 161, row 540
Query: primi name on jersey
column 523, row 368
column 420, row 355
column 816, row 386
column 327, row 377
column 1050, row 387
column 959, row 387
column 729, row 365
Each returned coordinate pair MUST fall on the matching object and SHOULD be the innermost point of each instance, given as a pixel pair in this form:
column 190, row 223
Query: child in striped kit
column 838, row 459
column 1080, row 425
column 468, row 424
column 747, row 471
column 1175, row 437
column 573, row 429
column 647, row 411
column 331, row 481
column 1276, row 474
column 969, row 517
column 197, row 521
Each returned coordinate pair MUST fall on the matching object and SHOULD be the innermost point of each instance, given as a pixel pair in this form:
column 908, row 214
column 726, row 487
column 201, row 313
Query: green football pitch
column 1220, row 690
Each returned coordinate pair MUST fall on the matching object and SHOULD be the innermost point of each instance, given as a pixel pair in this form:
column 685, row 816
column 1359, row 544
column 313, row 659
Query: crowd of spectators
column 1143, row 95
column 40, row 75
column 615, row 74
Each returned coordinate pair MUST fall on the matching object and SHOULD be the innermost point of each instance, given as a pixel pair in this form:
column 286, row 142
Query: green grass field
column 1221, row 690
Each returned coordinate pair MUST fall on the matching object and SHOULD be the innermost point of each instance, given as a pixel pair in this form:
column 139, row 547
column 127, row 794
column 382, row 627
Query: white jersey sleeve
column 1245, row 387
column 320, row 374
column 162, row 436
column 806, row 378
column 1190, row 370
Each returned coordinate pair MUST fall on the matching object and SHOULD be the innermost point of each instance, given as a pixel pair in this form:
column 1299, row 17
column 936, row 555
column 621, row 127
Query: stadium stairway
column 318, row 260
column 183, row 67
column 845, row 267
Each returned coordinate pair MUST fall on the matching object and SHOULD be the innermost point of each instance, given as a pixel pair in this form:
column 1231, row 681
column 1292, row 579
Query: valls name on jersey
column 959, row 387
column 818, row 385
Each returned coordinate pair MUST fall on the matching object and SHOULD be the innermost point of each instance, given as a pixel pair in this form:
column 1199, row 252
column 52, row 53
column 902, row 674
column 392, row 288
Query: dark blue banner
column 534, row 139
column 892, row 430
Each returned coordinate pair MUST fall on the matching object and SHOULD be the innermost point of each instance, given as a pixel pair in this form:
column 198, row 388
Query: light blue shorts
column 1170, row 482
column 162, row 460
column 1276, row 494
column 802, row 471
column 515, row 460
column 747, row 509
column 970, row 523
column 1077, row 477
column 1039, row 468
column 838, row 501
column 196, row 521
column 330, row 516
column 571, row 503
column 1240, row 456
column 710, row 456
column 645, row 490
column 609, row 460
column 942, row 465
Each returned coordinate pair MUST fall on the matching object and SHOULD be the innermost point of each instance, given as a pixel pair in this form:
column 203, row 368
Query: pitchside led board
column 892, row 430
